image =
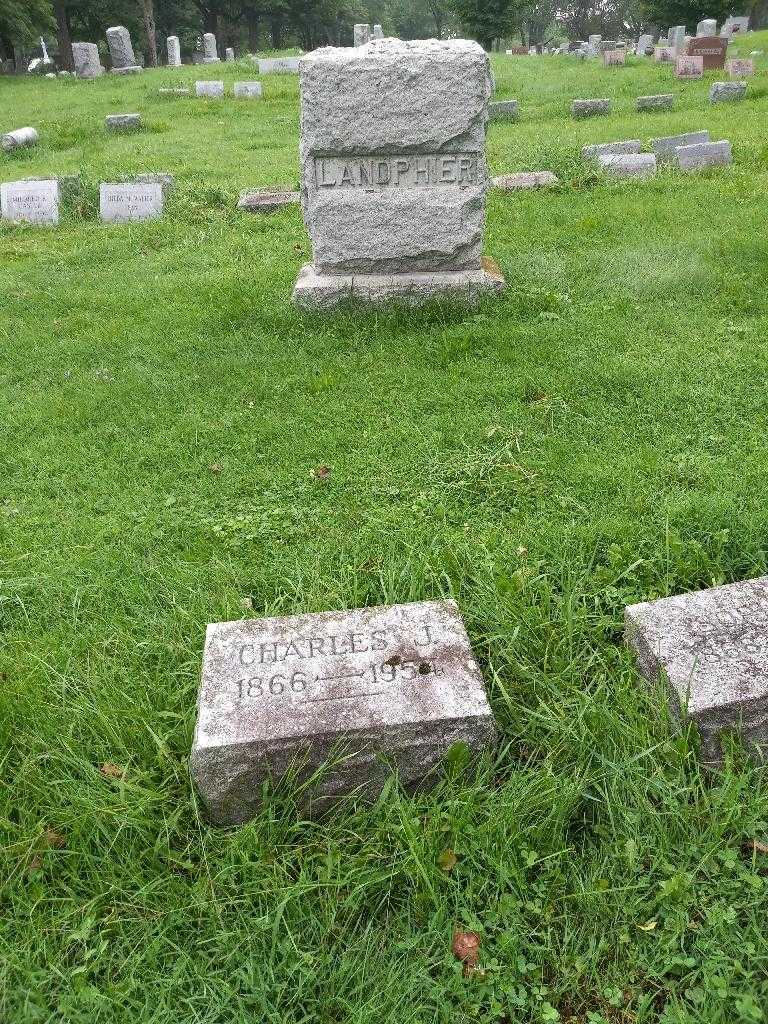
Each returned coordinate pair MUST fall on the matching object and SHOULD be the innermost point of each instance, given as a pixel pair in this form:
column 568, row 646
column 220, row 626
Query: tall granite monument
column 394, row 176
column 121, row 50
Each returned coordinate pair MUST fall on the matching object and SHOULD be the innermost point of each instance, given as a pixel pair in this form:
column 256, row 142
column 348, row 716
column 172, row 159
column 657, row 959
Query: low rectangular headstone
column 590, row 108
column 601, row 148
column 31, row 202
column 666, row 146
column 662, row 101
column 740, row 68
column 19, row 138
column 121, row 202
column 710, row 648
column 689, row 67
column 248, row 90
column 350, row 690
column 614, row 58
column 712, row 48
column 727, row 92
column 122, row 122
column 525, row 180
column 213, row 90
column 664, row 54
column 267, row 200
column 504, row 110
column 703, row 154
column 517, row 51
column 628, row 165
column 279, row 65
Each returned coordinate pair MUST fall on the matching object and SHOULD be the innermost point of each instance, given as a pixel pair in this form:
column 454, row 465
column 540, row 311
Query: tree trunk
column 276, row 29
column 253, row 30
column 211, row 20
column 62, row 33
column 149, row 33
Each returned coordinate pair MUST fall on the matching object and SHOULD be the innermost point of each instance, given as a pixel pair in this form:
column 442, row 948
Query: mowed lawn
column 598, row 436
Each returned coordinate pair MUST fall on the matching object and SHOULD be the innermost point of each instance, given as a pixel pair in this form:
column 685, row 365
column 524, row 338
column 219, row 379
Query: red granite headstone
column 712, row 48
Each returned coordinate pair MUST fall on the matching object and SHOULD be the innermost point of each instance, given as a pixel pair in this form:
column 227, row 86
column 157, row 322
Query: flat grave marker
column 124, row 202
column 30, row 202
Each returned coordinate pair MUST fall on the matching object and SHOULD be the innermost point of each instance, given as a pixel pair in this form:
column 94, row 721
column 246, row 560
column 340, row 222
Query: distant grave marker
column 713, row 49
column 121, row 203
column 689, row 67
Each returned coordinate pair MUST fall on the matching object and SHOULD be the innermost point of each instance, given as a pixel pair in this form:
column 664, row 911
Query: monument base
column 134, row 69
column 323, row 291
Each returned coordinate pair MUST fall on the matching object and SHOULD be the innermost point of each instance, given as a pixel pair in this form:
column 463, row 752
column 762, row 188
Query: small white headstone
column 229, row 54
column 174, row 51
column 248, row 90
column 31, row 202
column 19, row 137
column 214, row 90
column 120, row 203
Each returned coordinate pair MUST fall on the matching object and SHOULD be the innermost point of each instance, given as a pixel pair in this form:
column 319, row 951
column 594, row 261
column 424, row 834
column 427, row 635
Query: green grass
column 596, row 437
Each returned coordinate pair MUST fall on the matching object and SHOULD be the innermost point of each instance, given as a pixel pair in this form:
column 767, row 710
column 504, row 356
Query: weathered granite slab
column 128, row 71
column 666, row 146
column 662, row 101
column 248, row 90
column 173, row 46
column 590, row 108
column 525, row 179
column 740, row 67
column 712, row 50
column 229, row 54
column 86, row 60
column 279, row 65
column 18, row 138
column 703, row 154
column 644, row 44
column 711, row 647
column 30, row 202
column 212, row 90
column 601, row 148
column 350, row 690
column 121, row 49
column 687, row 66
column 361, row 34
column 210, row 50
column 727, row 92
column 614, row 58
column 707, row 27
column 634, row 165
column 267, row 200
column 378, row 32
column 122, row 202
column 504, row 110
column 122, row 122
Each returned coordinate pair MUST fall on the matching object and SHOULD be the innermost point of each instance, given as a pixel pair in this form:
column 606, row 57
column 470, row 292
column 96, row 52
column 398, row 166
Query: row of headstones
column 87, row 62
column 326, row 701
column 675, row 39
column 362, row 34
column 37, row 200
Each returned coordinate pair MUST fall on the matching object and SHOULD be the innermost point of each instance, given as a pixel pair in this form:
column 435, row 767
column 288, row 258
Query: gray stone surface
column 122, row 122
column 644, row 43
column 210, row 51
column 121, row 202
column 614, row 58
column 361, row 35
column 174, row 51
column 525, row 179
column 229, row 54
column 248, row 90
column 590, row 108
column 392, row 150
column 703, row 154
column 740, row 67
column 677, row 39
column 662, row 101
column 630, row 165
column 267, row 200
column 727, row 92
column 707, row 27
column 378, row 32
column 666, row 146
column 120, row 48
column 31, row 202
column 596, row 149
column 86, row 60
column 351, row 691
column 18, row 138
column 664, row 54
column 135, row 70
column 688, row 66
column 504, row 110
column 736, row 24
column 213, row 90
column 279, row 66
column 711, row 648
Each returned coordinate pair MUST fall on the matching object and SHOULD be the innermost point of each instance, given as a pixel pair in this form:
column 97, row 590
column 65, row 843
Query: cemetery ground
column 181, row 446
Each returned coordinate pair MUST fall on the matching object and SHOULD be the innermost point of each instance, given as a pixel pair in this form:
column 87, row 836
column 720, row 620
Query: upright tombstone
column 121, row 202
column 712, row 48
column 393, row 200
column 664, row 54
column 174, row 51
column 86, row 60
column 614, row 58
column 30, row 202
column 121, row 50
column 361, row 34
column 740, row 67
column 644, row 43
column 736, row 25
column 689, row 67
column 677, row 39
column 210, row 51
column 229, row 54
column 334, row 700
column 707, row 27
column 378, row 32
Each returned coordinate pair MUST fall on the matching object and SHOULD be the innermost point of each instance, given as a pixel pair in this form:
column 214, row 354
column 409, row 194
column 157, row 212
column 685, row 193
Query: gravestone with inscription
column 710, row 648
column 614, row 58
column 212, row 90
column 712, row 48
column 394, row 176
column 740, row 67
column 247, row 90
column 210, row 50
column 628, row 165
column 590, row 108
column 278, row 66
column 30, row 202
column 706, row 27
column 504, row 110
column 704, row 154
column 688, row 66
column 341, row 693
column 122, row 202
column 121, row 50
